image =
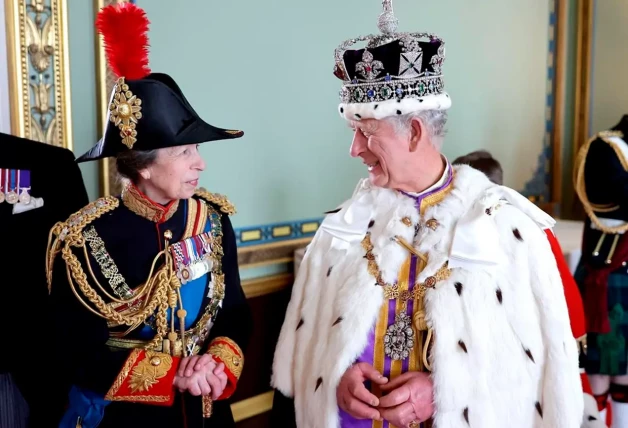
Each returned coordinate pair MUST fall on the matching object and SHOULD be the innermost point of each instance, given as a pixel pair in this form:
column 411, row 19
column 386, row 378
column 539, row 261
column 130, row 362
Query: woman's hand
column 201, row 376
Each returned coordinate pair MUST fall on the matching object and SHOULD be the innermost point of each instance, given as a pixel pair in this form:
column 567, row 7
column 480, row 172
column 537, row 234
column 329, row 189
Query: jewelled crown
column 395, row 74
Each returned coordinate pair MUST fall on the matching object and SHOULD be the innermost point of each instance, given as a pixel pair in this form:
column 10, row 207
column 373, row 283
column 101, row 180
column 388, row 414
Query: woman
column 148, row 306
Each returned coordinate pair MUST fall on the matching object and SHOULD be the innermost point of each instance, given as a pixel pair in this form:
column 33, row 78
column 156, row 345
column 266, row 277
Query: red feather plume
column 124, row 27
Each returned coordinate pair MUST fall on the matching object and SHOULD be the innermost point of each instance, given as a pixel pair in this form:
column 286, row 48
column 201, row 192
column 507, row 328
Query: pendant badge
column 399, row 338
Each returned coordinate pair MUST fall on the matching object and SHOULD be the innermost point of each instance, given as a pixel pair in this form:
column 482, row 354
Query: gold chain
column 391, row 291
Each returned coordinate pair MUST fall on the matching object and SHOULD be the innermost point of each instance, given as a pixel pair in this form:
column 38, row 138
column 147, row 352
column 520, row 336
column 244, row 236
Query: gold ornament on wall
column 39, row 70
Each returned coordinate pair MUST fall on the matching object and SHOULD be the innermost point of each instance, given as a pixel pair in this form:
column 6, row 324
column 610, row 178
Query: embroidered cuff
column 226, row 351
column 146, row 377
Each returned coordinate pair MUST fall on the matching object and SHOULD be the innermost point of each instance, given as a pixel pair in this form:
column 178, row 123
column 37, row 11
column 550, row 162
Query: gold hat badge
column 125, row 111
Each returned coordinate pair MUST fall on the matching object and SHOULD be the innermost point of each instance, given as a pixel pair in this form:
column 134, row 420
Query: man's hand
column 352, row 395
column 409, row 399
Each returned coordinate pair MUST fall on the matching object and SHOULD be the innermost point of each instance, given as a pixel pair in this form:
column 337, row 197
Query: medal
column 24, row 185
column 1, row 185
column 11, row 195
column 191, row 257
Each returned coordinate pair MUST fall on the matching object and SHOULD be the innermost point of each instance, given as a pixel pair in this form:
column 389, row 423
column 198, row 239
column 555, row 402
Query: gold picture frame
column 558, row 129
column 39, row 70
column 582, row 89
column 584, row 51
column 106, row 79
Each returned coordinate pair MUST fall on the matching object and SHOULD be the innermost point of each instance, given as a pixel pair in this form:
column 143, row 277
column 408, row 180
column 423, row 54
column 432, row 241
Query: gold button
column 155, row 361
column 430, row 281
column 236, row 362
column 432, row 223
column 168, row 234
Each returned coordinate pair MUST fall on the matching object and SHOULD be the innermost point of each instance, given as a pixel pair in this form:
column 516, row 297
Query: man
column 39, row 185
column 431, row 297
column 601, row 181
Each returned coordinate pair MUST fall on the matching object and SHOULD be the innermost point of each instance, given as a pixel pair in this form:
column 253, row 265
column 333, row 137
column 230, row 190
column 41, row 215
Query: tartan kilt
column 607, row 354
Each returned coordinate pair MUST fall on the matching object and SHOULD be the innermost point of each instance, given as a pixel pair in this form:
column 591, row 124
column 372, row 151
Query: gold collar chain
column 391, row 291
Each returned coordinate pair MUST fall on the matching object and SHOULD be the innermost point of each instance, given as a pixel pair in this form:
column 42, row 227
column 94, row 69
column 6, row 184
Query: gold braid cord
column 70, row 235
column 160, row 292
column 579, row 184
column 215, row 198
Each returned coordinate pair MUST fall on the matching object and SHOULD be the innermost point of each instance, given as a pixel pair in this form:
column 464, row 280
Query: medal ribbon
column 13, row 180
column 24, row 179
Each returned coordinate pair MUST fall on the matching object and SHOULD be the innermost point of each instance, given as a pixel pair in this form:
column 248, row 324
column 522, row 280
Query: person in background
column 601, row 183
column 40, row 184
column 483, row 161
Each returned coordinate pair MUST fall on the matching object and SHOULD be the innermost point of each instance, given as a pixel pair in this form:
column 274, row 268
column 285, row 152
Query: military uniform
column 52, row 188
column 136, row 285
column 601, row 181
column 120, row 241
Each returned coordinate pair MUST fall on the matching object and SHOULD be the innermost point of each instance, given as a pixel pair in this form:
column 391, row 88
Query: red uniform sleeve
column 146, row 377
column 226, row 351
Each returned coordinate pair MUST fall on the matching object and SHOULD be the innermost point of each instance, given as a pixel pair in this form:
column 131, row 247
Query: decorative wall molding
column 39, row 70
column 253, row 406
column 276, row 232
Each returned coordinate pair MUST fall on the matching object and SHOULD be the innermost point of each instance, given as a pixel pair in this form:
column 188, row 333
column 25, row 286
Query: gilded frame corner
column 105, row 81
column 39, row 70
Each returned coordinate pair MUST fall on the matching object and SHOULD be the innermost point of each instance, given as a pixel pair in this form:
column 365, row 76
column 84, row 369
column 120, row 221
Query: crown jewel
column 393, row 66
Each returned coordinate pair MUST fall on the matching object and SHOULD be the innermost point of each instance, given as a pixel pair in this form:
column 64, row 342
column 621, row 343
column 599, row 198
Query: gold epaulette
column 217, row 199
column 70, row 231
column 579, row 185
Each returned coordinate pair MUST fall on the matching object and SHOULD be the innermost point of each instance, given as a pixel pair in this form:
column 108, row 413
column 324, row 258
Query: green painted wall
column 268, row 71
column 609, row 99
column 83, row 85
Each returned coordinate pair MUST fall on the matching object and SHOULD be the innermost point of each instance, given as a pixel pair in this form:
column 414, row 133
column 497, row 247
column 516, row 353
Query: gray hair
column 434, row 121
column 129, row 163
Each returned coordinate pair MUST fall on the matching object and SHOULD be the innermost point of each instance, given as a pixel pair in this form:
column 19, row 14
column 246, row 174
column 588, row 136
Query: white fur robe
column 520, row 368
